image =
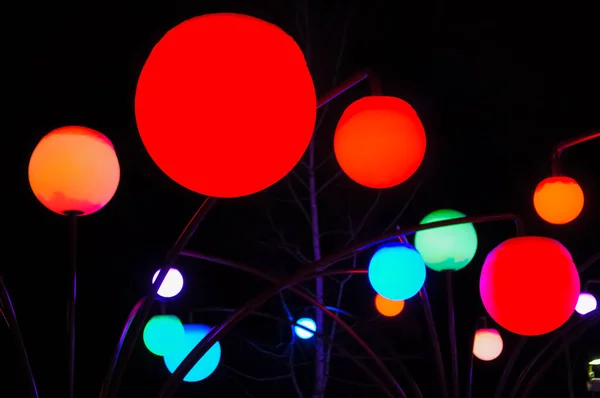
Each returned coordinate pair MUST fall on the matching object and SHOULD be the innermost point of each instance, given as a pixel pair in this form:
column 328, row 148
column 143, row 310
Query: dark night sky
column 495, row 87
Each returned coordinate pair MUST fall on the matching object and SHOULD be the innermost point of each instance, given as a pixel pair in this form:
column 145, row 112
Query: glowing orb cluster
column 487, row 345
column 74, row 168
column 529, row 285
column 172, row 284
column 387, row 307
column 379, row 141
column 558, row 200
column 446, row 248
column 163, row 334
column 225, row 104
column 397, row 271
column 586, row 303
column 206, row 365
column 303, row 333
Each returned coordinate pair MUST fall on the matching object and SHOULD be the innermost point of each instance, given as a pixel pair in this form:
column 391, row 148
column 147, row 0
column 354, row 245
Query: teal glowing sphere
column 163, row 334
column 397, row 271
column 447, row 248
column 206, row 365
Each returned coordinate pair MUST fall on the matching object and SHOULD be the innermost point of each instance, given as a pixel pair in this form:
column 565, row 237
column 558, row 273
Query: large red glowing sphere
column 75, row 169
column 558, row 200
column 529, row 285
column 379, row 141
column 225, row 104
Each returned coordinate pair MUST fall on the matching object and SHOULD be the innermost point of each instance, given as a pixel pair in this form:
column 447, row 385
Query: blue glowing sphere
column 302, row 332
column 397, row 271
column 206, row 365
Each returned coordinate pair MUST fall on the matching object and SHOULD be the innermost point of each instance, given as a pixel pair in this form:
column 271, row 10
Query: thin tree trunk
column 320, row 376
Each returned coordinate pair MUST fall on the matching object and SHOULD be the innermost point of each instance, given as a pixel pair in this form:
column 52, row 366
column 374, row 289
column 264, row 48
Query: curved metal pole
column 507, row 369
column 298, row 290
column 116, row 374
column 452, row 333
column 11, row 318
column 557, row 151
column 558, row 336
column 593, row 321
column 435, row 341
column 590, row 261
column 115, row 356
column 219, row 331
column 513, row 358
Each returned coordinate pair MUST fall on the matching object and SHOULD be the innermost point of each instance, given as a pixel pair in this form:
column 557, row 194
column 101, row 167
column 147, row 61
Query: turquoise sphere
column 448, row 248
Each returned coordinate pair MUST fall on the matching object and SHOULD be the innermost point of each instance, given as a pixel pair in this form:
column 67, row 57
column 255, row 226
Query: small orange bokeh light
column 388, row 307
column 558, row 200
column 75, row 169
column 379, row 141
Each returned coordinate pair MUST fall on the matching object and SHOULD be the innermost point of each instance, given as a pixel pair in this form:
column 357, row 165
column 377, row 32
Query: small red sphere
column 225, row 104
column 529, row 285
column 379, row 141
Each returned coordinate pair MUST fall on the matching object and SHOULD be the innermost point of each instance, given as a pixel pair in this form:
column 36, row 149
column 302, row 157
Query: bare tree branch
column 300, row 180
column 333, row 232
column 408, row 202
column 351, row 382
column 290, row 248
column 334, row 326
column 328, row 182
column 293, row 373
column 298, row 201
column 324, row 161
column 363, row 222
column 259, row 379
column 285, row 307
column 268, row 353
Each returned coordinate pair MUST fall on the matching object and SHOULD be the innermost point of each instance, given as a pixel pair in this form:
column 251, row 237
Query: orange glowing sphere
column 488, row 344
column 529, row 285
column 558, row 200
column 225, row 104
column 74, row 168
column 388, row 307
column 379, row 141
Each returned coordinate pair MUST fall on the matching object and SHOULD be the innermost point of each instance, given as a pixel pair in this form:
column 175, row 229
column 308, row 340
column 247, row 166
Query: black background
column 496, row 86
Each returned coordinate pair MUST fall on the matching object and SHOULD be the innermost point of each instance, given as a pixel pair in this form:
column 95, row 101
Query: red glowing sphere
column 225, row 104
column 74, row 169
column 558, row 200
column 379, row 141
column 529, row 285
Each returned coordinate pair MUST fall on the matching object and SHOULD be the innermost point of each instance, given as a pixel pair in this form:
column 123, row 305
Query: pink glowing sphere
column 586, row 303
column 487, row 345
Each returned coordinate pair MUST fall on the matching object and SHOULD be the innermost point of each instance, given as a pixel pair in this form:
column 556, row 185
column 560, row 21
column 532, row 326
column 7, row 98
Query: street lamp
column 559, row 199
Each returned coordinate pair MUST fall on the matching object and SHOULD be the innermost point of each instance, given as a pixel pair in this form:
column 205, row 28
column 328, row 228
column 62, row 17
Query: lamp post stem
column 72, row 299
column 452, row 332
column 469, row 392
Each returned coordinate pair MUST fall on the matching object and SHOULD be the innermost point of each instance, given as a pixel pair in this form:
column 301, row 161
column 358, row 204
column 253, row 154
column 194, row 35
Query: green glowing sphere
column 163, row 334
column 447, row 248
